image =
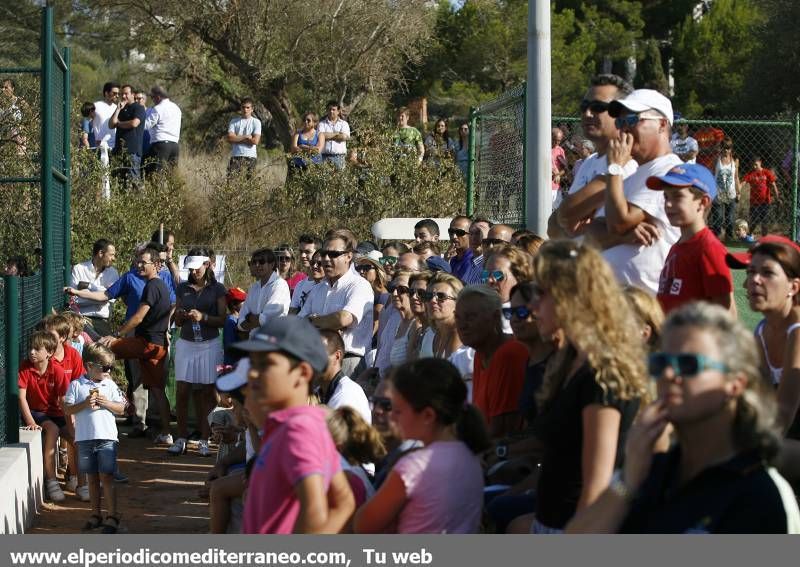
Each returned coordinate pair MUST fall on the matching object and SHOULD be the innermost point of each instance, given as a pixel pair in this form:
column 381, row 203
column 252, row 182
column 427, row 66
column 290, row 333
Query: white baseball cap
column 194, row 262
column 641, row 100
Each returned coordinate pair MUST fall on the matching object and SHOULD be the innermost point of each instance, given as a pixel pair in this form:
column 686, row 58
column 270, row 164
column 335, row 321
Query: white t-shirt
column 164, row 122
column 244, row 127
column 340, row 127
column 350, row 394
column 301, row 292
column 680, row 147
column 350, row 293
column 641, row 265
column 85, row 272
column 102, row 133
column 98, row 423
column 269, row 300
column 464, row 360
column 591, row 167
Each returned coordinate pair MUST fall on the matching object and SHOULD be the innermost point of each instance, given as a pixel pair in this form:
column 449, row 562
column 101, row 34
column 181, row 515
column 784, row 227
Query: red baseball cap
column 741, row 260
column 235, row 294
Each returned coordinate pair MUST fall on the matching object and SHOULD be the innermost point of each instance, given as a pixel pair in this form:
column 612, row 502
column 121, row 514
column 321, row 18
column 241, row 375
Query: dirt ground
column 160, row 497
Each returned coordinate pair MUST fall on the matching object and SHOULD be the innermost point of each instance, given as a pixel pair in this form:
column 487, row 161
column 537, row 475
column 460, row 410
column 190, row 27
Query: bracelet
column 618, row 487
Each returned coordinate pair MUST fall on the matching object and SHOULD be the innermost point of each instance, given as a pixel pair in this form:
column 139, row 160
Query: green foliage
column 650, row 72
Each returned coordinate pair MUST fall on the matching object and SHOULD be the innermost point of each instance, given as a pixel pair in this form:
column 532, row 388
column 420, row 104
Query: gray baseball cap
column 292, row 335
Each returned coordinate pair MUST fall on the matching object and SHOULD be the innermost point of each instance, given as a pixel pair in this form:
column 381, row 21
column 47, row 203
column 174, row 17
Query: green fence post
column 795, row 157
column 524, row 155
column 48, row 256
column 65, row 169
column 473, row 132
column 13, row 335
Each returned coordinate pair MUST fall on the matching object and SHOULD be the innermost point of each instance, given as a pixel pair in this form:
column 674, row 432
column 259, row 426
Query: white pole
column 538, row 118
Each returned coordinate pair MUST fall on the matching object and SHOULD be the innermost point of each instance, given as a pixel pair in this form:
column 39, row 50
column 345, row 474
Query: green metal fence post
column 65, row 169
column 473, row 123
column 524, row 154
column 48, row 254
column 795, row 159
column 12, row 358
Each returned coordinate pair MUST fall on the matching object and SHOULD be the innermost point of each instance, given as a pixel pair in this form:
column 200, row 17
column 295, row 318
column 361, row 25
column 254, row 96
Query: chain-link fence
column 4, row 376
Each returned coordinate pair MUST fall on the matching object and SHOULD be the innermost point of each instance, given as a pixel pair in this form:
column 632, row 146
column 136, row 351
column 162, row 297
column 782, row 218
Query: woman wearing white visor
column 200, row 313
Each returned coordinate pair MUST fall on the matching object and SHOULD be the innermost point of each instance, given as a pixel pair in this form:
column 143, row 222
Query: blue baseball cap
column 291, row 335
column 686, row 175
column 438, row 264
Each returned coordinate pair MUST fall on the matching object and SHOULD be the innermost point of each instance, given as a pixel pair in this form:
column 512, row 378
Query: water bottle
column 198, row 334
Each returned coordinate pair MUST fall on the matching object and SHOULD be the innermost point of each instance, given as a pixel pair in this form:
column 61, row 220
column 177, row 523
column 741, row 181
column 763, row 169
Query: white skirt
column 196, row 363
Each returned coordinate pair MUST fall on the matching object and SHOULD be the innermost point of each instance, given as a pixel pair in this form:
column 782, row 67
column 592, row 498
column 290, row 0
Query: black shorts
column 40, row 417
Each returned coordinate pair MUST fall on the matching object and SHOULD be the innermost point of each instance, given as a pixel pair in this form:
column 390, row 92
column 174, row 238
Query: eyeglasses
column 401, row 289
column 364, row 268
column 685, row 365
column 596, row 106
column 631, row 120
column 496, row 275
column 439, row 296
column 416, row 292
column 521, row 312
column 493, row 241
column 143, row 263
column 103, row 367
column 332, row 254
column 457, row 232
column 377, row 402
column 391, row 260
column 258, row 261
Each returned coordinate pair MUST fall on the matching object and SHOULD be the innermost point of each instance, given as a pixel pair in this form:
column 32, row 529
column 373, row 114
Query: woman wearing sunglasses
column 287, row 267
column 372, row 271
column 401, row 301
column 420, row 341
column 717, row 478
column 773, row 285
column 593, row 382
column 505, row 267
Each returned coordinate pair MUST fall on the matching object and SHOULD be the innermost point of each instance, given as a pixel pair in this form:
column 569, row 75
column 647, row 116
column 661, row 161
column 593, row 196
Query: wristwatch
column 615, row 169
column 501, row 451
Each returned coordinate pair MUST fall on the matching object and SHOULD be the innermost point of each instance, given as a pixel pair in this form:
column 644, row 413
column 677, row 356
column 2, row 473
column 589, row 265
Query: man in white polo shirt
column 635, row 233
column 103, row 110
column 96, row 274
column 164, row 124
column 244, row 135
column 343, row 300
column 337, row 132
column 336, row 389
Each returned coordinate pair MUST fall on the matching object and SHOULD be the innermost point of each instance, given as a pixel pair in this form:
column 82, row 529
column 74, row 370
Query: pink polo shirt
column 296, row 444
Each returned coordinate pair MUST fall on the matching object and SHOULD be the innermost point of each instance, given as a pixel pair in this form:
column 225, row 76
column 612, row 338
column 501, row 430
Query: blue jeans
column 723, row 215
column 97, row 456
column 336, row 159
column 504, row 508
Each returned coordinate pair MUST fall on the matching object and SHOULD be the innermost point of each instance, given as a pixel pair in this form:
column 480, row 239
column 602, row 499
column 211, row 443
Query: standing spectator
column 87, row 132
column 763, row 188
column 426, row 230
column 268, row 297
column 304, row 288
column 308, row 143
column 141, row 98
column 462, row 150
column 244, row 135
column 336, row 132
column 585, row 149
column 11, row 107
column 723, row 210
column 16, row 266
column 406, row 137
column 97, row 274
column 438, row 145
column 683, row 145
column 645, row 118
column 558, row 159
column 695, row 268
column 478, row 232
column 164, row 123
column 104, row 134
column 128, row 121
column 287, row 269
column 343, row 301
column 708, row 139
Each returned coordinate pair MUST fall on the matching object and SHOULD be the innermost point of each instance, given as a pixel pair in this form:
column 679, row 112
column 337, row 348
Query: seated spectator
column 307, row 143
column 743, row 232
column 530, row 243
column 411, row 262
column 505, row 267
column 401, row 301
column 371, row 270
column 718, row 478
column 427, row 249
column 420, row 341
column 499, row 371
column 440, row 297
column 287, row 267
column 438, row 488
column 305, row 287
column 648, row 313
column 268, row 297
column 426, row 230
column 335, row 389
column 395, row 446
column 234, row 298
column 391, row 253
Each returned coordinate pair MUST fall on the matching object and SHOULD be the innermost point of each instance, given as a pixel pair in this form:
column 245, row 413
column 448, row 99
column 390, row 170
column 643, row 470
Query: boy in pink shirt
column 296, row 484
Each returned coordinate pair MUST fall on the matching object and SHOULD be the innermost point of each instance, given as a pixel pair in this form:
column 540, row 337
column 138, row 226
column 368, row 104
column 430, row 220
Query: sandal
column 94, row 522
column 110, row 528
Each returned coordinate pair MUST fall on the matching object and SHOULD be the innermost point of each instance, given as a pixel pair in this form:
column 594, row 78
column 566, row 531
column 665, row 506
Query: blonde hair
column 519, row 261
column 75, row 319
column 96, row 353
column 648, row 310
column 444, row 278
column 424, row 276
column 596, row 318
column 357, row 441
column 755, row 424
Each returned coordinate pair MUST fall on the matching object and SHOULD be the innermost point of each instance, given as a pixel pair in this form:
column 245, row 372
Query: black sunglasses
column 332, row 254
column 401, row 289
column 596, row 106
column 316, row 264
column 457, row 232
column 685, row 365
column 104, row 367
column 521, row 312
column 493, row 241
column 380, row 402
column 429, row 296
column 259, row 261
column 390, row 260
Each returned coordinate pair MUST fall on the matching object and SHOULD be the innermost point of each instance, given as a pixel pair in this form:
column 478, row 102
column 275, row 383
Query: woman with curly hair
column 718, row 477
column 592, row 385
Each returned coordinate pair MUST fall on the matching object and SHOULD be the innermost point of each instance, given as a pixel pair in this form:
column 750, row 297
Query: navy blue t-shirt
column 130, row 139
column 154, row 326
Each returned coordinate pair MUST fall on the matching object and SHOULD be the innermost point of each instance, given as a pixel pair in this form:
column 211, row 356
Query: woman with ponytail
column 438, row 488
column 718, row 477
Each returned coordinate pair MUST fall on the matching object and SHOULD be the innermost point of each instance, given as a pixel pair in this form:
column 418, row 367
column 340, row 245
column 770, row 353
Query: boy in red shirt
column 695, row 269
column 297, row 484
column 42, row 387
column 763, row 186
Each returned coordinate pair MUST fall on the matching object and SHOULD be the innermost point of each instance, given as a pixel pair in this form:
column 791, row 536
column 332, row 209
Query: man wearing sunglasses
column 343, row 300
column 459, row 252
column 635, row 233
column 103, row 110
column 585, row 195
column 268, row 296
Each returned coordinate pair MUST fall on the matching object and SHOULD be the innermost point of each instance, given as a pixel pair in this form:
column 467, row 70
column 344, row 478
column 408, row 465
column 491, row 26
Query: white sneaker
column 202, row 448
column 54, row 491
column 164, row 439
column 83, row 493
column 72, row 484
column 178, row 448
